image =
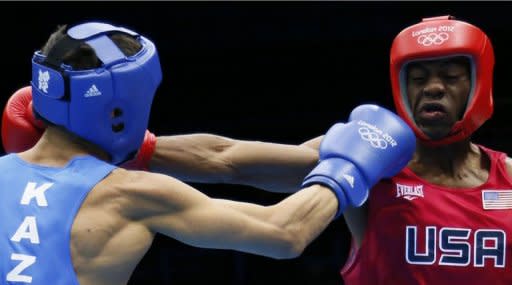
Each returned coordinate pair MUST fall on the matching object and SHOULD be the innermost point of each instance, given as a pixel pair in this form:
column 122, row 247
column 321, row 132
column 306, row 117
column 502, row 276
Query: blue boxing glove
column 374, row 143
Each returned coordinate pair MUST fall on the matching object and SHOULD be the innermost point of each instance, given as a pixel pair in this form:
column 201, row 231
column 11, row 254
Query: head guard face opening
column 442, row 37
column 109, row 105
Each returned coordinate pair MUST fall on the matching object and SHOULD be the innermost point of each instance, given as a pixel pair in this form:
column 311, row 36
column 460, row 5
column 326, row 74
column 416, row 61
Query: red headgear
column 441, row 37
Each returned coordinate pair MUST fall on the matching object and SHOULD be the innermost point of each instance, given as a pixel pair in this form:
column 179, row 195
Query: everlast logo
column 409, row 192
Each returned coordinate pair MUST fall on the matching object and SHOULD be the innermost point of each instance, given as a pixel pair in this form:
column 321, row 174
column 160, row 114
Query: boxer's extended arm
column 349, row 165
column 168, row 206
column 208, row 158
column 356, row 218
column 313, row 143
column 195, row 158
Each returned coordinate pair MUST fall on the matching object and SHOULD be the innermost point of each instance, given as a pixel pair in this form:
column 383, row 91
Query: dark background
column 271, row 71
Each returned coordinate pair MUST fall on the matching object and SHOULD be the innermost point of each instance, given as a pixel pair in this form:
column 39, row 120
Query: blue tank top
column 38, row 205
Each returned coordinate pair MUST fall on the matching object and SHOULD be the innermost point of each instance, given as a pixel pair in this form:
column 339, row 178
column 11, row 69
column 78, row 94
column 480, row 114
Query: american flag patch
column 497, row 200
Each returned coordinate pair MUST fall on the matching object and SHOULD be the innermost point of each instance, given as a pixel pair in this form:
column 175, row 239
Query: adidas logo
column 350, row 179
column 93, row 91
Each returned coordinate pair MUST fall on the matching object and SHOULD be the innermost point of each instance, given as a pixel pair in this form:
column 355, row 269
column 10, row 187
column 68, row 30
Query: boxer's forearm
column 206, row 158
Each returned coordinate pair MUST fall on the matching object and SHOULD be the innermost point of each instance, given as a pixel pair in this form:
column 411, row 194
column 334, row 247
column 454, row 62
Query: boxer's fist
column 20, row 129
column 375, row 143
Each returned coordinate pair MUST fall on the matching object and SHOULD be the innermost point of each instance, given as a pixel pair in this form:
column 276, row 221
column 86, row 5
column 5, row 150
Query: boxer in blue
column 71, row 216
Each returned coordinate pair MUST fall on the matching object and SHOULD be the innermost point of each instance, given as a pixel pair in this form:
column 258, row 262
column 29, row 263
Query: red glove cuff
column 143, row 157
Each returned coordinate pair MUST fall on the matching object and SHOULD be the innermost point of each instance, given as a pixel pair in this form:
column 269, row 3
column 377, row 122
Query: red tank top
column 419, row 233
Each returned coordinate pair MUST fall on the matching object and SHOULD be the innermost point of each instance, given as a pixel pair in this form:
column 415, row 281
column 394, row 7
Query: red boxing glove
column 146, row 150
column 20, row 129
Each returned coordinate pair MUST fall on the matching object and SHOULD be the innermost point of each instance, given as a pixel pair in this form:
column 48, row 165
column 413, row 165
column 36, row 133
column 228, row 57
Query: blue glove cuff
column 344, row 178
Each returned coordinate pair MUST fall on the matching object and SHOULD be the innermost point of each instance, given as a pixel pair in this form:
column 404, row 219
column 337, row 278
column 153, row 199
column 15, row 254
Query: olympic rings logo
column 433, row 39
column 373, row 138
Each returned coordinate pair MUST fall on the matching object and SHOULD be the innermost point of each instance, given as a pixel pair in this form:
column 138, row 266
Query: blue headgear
column 109, row 105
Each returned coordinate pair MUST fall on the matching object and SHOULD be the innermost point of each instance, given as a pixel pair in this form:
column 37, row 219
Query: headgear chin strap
column 441, row 37
column 109, row 105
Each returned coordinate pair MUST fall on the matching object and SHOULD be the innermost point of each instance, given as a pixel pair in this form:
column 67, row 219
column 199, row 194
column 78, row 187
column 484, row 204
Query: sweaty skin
column 119, row 218
column 438, row 92
column 207, row 158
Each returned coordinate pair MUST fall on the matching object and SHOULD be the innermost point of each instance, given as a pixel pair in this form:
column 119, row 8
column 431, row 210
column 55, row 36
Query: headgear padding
column 109, row 105
column 442, row 37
